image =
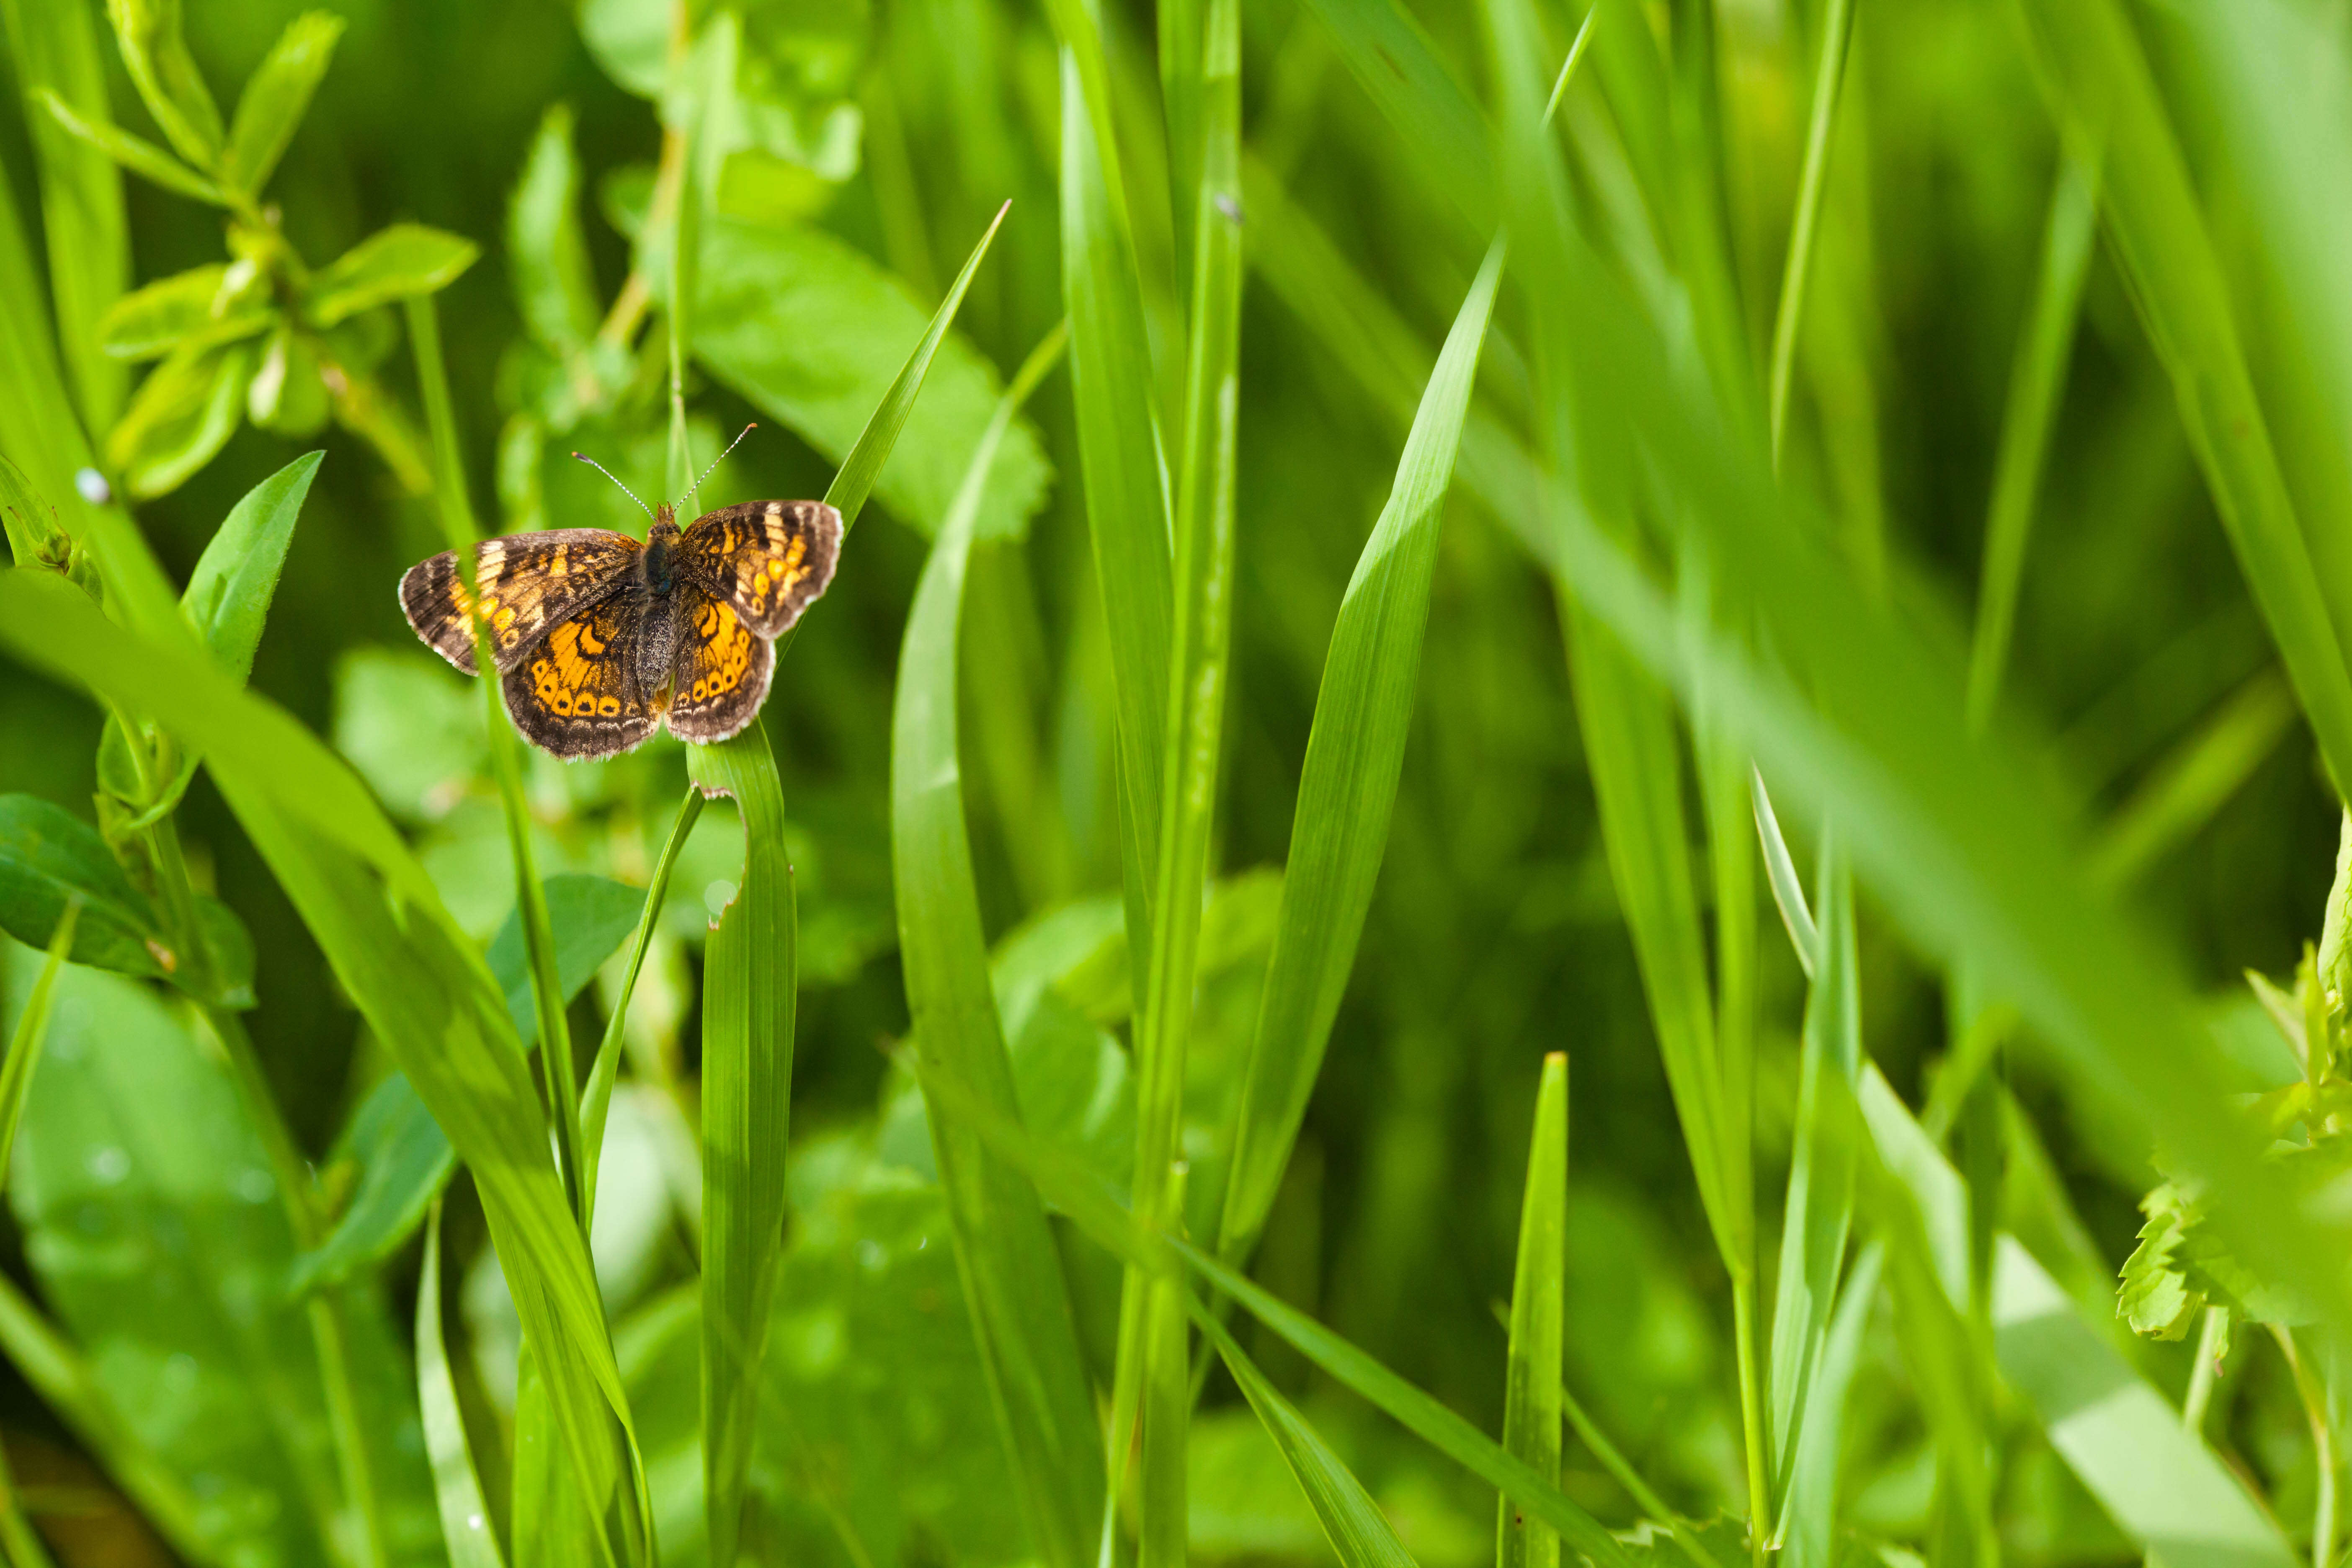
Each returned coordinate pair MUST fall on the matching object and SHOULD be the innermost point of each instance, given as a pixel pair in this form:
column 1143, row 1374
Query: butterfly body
column 600, row 640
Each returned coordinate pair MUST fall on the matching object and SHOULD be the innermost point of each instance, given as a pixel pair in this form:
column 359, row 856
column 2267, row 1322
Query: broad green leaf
column 135, row 153
column 185, row 412
column 401, row 262
column 228, row 593
column 1347, row 789
column 588, row 917
column 1012, row 1272
column 545, row 245
column 49, row 856
column 193, row 309
column 1531, row 1387
column 817, row 336
column 56, row 47
column 750, row 988
column 464, row 1520
column 276, row 97
column 155, row 1228
column 155, row 51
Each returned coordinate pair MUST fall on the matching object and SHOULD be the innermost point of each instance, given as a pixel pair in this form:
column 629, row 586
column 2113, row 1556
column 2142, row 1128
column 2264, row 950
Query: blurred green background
column 897, row 129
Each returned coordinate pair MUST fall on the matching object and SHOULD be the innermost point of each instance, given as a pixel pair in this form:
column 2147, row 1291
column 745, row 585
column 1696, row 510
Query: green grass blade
column 32, row 1028
column 1161, row 1518
column 1788, row 892
column 465, row 1518
column 1443, row 132
column 1531, row 1390
column 2035, row 385
column 1118, row 457
column 1820, row 122
column 854, row 481
column 1006, row 1254
column 54, row 48
column 1809, row 1504
column 1821, row 1194
column 1354, row 756
column 1358, row 1533
column 2107, row 98
column 1079, row 1193
column 750, row 987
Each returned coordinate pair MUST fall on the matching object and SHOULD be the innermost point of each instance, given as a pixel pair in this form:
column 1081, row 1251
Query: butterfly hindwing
column 767, row 559
column 526, row 583
column 723, row 669
column 577, row 694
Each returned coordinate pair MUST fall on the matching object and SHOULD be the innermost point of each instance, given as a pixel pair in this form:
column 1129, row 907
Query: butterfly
column 600, row 640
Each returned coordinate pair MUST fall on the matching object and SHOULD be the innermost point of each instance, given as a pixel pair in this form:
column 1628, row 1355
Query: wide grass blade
column 1005, row 1252
column 749, row 990
column 1347, row 789
column 465, row 1518
column 1531, row 1387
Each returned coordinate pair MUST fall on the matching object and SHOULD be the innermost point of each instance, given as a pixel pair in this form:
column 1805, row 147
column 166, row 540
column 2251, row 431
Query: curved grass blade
column 464, row 1518
column 1531, row 1390
column 1347, row 789
column 750, row 986
column 1012, row 1273
column 1837, row 32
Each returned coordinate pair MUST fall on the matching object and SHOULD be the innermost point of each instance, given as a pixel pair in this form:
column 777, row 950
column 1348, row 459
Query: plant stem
column 2207, row 1371
column 2310, row 1389
column 1644, row 1495
column 1751, row 1415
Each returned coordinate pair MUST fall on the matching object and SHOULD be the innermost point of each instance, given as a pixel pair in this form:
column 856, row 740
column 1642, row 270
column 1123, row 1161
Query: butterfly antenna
column 608, row 474
column 694, row 489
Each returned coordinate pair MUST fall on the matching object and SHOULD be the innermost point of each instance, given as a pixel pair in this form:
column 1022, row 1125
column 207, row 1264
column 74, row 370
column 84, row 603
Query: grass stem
column 1752, row 1415
column 1837, row 31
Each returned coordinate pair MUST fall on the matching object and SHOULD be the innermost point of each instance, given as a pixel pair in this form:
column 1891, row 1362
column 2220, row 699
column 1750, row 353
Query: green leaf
column 589, row 917
column 155, row 51
column 48, row 856
column 1348, row 786
column 185, row 412
column 135, row 153
column 31, row 1034
column 464, row 1518
column 545, row 244
column 193, row 309
column 276, row 95
column 1020, row 1307
column 815, row 335
column 155, row 1228
column 289, row 391
column 401, row 262
column 1443, row 131
column 1531, row 1387
column 54, row 48
column 228, row 593
column 750, row 992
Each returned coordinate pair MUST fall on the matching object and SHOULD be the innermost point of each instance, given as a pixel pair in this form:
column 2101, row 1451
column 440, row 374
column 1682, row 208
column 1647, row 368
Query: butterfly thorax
column 656, row 568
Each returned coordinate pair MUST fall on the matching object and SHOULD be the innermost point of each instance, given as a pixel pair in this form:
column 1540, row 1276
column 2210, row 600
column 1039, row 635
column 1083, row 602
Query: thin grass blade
column 1531, row 1387
column 464, row 1518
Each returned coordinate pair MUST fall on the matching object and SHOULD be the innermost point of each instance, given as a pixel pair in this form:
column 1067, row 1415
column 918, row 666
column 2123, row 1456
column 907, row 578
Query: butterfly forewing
column 766, row 559
column 526, row 583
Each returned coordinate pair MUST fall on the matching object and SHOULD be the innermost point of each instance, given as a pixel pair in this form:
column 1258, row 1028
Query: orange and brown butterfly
column 600, row 640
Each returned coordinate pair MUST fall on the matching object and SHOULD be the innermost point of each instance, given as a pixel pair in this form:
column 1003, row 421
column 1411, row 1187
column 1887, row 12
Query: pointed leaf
column 276, row 97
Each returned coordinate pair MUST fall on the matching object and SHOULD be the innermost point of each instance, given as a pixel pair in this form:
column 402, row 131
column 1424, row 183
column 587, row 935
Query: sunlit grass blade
column 750, row 992
column 1005, row 1251
column 1810, row 1498
column 1821, row 1194
column 1788, row 892
column 1531, row 1388
column 2036, row 384
column 1162, row 1521
column 2191, row 783
column 1077, row 1192
column 2107, row 98
column 853, row 481
column 1358, row 1533
column 1355, row 755
column 464, row 1518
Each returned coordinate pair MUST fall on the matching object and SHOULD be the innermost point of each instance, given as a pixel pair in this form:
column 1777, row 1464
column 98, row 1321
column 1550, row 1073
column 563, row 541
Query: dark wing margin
column 769, row 559
column 723, row 670
column 577, row 693
column 527, row 582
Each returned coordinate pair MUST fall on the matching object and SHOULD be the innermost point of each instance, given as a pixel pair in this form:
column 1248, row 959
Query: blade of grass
column 1788, row 892
column 21, row 1542
column 1820, row 124
column 1808, row 1505
column 1532, row 1387
column 2192, row 781
column 1161, row 1523
column 2036, row 383
column 1078, row 1191
column 1348, row 784
column 2104, row 94
column 465, row 1518
column 1439, row 123
column 1004, row 1252
column 750, row 980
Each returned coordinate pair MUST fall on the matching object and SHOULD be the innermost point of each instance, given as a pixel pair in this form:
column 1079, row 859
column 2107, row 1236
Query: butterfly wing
column 767, row 559
column 723, row 669
column 526, row 583
column 576, row 694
